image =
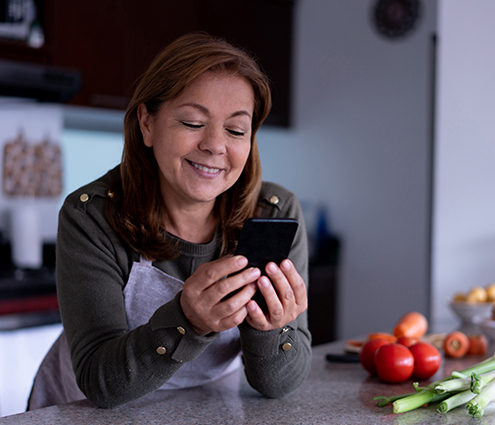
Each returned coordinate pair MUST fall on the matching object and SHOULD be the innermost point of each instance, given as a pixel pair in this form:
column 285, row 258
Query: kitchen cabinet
column 21, row 354
column 112, row 43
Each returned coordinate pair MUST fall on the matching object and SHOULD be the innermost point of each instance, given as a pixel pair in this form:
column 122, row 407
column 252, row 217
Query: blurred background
column 382, row 126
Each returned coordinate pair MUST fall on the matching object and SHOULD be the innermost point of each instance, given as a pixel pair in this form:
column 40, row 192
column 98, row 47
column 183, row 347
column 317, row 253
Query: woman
column 143, row 253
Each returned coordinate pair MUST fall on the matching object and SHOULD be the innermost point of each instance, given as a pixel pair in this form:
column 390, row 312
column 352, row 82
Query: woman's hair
column 135, row 208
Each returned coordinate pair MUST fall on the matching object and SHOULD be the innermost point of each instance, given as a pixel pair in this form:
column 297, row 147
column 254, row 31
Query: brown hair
column 135, row 209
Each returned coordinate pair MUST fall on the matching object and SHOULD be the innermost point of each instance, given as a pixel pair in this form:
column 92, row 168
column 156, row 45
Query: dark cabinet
column 112, row 42
column 322, row 295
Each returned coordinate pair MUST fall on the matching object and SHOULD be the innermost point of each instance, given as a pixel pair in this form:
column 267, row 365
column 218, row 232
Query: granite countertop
column 334, row 393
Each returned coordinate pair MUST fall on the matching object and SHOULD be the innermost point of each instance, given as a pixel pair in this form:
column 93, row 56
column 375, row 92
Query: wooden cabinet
column 113, row 42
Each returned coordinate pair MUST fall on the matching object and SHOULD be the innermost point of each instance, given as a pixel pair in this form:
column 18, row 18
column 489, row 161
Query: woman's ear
column 144, row 119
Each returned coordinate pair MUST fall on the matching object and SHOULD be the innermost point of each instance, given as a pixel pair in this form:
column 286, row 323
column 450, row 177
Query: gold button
column 284, row 330
column 274, row 200
column 181, row 330
column 110, row 194
column 287, row 346
column 161, row 350
column 84, row 197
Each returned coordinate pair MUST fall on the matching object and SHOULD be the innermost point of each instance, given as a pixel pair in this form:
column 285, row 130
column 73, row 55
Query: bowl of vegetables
column 474, row 306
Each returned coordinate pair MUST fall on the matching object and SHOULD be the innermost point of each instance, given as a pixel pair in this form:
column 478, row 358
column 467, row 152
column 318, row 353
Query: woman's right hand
column 203, row 297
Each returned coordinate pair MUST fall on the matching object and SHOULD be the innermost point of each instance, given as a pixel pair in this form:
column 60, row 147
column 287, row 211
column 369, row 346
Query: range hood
column 41, row 82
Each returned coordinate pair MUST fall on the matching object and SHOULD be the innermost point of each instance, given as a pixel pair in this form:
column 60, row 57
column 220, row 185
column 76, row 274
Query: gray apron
column 147, row 289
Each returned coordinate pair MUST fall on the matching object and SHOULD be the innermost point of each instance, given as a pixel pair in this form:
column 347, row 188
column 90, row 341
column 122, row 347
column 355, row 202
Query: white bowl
column 472, row 313
column 487, row 326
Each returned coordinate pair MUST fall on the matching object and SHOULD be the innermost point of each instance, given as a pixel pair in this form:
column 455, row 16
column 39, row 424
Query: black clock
column 396, row 18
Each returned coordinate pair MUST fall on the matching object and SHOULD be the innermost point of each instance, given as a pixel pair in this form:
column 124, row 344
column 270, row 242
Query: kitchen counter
column 334, row 393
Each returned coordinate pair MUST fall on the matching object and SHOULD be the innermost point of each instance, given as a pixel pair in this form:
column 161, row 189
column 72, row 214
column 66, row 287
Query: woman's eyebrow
column 206, row 111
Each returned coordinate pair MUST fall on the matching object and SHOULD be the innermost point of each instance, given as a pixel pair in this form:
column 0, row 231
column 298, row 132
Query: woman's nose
column 213, row 141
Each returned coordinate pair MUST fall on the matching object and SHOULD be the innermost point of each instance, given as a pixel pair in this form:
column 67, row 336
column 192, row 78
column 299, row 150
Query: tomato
column 427, row 359
column 407, row 341
column 367, row 353
column 394, row 363
column 478, row 344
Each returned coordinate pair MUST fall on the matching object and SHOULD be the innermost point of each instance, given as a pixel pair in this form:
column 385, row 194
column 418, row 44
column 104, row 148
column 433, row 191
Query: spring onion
column 455, row 401
column 452, row 391
column 477, row 405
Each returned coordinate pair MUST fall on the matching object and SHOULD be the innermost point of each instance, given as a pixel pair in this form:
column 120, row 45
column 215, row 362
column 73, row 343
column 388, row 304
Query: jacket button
column 181, row 330
column 161, row 350
column 84, row 197
column 287, row 346
column 274, row 200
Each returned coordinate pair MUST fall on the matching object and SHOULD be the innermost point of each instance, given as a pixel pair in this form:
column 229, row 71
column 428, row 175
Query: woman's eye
column 191, row 125
column 236, row 133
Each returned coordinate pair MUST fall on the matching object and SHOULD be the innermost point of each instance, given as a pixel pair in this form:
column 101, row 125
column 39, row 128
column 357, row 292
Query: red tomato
column 478, row 344
column 427, row 359
column 367, row 353
column 394, row 363
column 407, row 341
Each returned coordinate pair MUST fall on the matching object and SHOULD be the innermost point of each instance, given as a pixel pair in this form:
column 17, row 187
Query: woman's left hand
column 286, row 298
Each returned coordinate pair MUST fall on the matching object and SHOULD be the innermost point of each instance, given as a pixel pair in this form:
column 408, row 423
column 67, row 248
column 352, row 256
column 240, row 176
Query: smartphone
column 263, row 240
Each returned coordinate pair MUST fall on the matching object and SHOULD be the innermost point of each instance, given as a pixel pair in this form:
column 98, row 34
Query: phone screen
column 266, row 239
column 263, row 240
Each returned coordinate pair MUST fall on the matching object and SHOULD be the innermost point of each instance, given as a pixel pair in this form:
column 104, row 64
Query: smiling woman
column 144, row 258
column 201, row 141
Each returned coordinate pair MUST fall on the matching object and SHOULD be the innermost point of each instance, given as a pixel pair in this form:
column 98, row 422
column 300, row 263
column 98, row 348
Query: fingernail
column 264, row 281
column 241, row 261
column 286, row 265
column 272, row 268
column 254, row 272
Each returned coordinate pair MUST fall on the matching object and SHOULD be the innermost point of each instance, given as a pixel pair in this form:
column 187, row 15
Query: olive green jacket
column 113, row 365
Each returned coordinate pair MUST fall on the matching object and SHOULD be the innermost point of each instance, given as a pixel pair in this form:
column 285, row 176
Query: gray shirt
column 114, row 365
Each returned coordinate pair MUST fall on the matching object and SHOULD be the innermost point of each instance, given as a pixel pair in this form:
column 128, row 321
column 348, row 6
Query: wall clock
column 396, row 18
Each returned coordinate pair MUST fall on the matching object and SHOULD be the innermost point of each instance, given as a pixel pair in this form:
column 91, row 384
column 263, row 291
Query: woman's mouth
column 205, row 169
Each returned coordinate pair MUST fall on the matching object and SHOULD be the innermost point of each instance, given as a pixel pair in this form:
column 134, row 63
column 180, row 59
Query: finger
column 296, row 282
column 256, row 317
column 231, row 306
column 228, row 287
column 284, row 289
column 275, row 307
column 210, row 273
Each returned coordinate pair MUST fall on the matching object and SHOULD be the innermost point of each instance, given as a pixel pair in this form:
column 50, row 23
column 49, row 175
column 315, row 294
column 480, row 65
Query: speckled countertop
column 334, row 393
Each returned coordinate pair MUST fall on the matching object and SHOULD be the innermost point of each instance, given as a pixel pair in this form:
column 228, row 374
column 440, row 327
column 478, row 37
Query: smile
column 205, row 169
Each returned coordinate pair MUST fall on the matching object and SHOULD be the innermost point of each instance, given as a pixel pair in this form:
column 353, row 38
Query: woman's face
column 201, row 140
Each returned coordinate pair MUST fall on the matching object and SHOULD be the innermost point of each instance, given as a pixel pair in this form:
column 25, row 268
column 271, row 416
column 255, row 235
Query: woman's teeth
column 206, row 169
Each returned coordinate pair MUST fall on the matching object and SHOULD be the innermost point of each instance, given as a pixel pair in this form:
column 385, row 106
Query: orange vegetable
column 478, row 344
column 384, row 335
column 407, row 341
column 456, row 344
column 412, row 325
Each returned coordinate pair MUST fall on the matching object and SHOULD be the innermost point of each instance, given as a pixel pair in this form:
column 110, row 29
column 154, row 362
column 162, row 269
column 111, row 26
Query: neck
column 197, row 225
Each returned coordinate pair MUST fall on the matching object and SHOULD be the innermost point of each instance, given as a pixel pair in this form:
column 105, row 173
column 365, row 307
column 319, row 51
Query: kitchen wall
column 464, row 213
column 360, row 145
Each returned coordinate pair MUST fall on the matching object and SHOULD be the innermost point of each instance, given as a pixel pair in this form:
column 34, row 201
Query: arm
column 112, row 366
column 271, row 369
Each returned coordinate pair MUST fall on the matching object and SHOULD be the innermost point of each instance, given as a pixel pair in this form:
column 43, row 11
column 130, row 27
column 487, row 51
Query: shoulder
column 92, row 194
column 276, row 200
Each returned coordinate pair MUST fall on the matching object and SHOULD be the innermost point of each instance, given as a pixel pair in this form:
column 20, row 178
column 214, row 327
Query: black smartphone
column 266, row 239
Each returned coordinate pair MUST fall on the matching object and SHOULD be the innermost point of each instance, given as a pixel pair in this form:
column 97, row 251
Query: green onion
column 386, row 400
column 452, row 385
column 455, row 401
column 477, row 405
column 425, row 395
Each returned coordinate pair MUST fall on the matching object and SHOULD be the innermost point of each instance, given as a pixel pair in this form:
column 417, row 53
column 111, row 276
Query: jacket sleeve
column 277, row 361
column 112, row 366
